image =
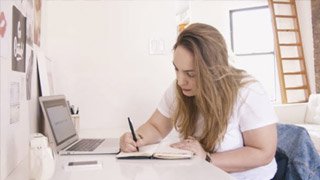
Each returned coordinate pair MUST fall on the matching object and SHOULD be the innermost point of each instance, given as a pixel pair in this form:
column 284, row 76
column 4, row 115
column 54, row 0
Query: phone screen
column 78, row 163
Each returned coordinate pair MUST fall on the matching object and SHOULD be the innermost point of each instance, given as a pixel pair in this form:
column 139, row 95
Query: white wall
column 216, row 13
column 305, row 21
column 14, row 137
column 101, row 57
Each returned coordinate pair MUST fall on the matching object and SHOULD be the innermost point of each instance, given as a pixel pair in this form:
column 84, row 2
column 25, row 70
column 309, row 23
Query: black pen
column 71, row 109
column 132, row 132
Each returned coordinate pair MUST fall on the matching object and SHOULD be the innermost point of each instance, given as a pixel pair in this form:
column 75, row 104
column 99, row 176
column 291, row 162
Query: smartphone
column 79, row 163
column 82, row 165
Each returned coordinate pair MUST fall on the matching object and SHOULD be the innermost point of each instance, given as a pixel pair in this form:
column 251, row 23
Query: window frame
column 277, row 91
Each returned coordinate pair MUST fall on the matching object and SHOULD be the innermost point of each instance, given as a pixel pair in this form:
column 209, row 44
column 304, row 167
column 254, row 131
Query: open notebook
column 157, row 151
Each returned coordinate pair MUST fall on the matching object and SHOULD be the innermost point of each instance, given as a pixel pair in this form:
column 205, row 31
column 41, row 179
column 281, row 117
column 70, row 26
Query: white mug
column 42, row 162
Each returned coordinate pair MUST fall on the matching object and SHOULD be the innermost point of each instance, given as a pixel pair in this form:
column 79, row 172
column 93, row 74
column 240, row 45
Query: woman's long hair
column 217, row 83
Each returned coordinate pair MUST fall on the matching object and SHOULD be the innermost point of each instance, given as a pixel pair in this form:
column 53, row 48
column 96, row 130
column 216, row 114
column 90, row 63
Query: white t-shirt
column 252, row 110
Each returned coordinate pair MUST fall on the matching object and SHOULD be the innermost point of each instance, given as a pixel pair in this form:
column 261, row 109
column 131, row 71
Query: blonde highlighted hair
column 217, row 83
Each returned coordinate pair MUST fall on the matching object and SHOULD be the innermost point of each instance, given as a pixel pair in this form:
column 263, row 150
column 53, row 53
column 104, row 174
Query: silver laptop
column 62, row 134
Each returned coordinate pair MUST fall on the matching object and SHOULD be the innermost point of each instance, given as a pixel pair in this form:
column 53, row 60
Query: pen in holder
column 76, row 121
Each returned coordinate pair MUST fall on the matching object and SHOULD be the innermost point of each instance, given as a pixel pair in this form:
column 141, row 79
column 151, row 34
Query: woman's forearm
column 149, row 133
column 155, row 129
column 241, row 159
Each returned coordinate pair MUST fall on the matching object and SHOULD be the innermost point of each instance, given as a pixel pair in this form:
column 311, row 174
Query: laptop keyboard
column 86, row 145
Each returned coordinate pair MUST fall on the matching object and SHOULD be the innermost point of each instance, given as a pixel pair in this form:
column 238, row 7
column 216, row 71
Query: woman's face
column 183, row 62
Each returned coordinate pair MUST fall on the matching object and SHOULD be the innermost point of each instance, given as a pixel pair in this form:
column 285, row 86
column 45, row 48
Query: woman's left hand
column 191, row 144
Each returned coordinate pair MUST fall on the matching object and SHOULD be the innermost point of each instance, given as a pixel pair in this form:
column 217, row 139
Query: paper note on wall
column 14, row 102
column 45, row 74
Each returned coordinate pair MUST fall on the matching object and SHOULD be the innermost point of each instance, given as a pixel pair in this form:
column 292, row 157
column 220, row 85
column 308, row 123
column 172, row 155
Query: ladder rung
column 296, row 88
column 295, row 73
column 285, row 16
column 292, row 58
column 290, row 44
column 302, row 101
column 287, row 30
column 281, row 2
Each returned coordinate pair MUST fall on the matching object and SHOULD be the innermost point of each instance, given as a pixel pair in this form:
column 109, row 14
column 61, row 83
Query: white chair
column 306, row 115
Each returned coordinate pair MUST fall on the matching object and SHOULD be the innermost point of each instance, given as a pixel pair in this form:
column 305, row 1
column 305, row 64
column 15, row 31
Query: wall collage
column 20, row 42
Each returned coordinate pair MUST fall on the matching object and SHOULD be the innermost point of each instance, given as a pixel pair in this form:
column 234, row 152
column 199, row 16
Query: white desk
column 113, row 169
column 139, row 169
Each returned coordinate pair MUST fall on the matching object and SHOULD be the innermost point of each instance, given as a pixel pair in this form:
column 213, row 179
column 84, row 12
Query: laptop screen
column 59, row 119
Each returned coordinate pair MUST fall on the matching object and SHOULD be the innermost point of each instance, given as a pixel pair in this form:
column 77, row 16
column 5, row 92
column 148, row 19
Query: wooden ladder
column 293, row 78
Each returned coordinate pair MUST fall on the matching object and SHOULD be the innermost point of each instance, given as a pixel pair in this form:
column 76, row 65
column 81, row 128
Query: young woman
column 222, row 114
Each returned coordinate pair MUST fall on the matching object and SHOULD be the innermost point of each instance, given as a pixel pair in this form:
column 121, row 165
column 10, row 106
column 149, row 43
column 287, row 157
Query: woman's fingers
column 140, row 143
column 127, row 144
column 185, row 144
column 190, row 144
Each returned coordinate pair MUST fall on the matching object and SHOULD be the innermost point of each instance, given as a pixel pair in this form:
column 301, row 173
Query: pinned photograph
column 30, row 23
column 18, row 41
column 37, row 22
column 3, row 24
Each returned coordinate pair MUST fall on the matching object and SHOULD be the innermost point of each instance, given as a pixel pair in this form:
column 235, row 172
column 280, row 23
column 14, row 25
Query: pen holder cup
column 76, row 121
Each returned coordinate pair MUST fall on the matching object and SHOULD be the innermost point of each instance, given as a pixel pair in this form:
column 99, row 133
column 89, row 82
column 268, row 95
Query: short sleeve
column 165, row 106
column 255, row 109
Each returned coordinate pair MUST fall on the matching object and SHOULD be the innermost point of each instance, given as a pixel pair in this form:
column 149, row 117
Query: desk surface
column 138, row 169
column 113, row 168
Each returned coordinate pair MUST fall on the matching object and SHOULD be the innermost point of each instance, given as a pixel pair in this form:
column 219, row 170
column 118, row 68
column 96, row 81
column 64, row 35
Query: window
column 252, row 44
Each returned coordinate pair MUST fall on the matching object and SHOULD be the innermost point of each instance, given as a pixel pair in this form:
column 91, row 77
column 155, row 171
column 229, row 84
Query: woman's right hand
column 127, row 144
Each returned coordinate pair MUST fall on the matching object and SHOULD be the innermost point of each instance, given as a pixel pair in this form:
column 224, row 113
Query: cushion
column 313, row 109
column 291, row 113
